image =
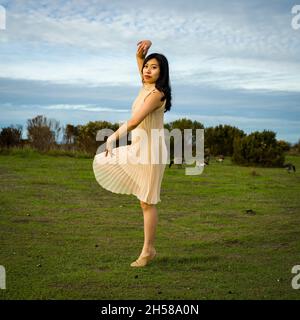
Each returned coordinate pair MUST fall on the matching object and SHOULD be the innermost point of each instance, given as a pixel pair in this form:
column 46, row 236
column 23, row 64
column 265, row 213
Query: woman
column 133, row 177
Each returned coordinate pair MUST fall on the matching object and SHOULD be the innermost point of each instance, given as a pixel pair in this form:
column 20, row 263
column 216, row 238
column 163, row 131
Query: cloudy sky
column 231, row 62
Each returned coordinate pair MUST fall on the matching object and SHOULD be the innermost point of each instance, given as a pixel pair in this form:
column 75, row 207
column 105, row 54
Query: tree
column 286, row 146
column 182, row 124
column 43, row 133
column 10, row 136
column 86, row 140
column 70, row 136
column 258, row 148
column 220, row 139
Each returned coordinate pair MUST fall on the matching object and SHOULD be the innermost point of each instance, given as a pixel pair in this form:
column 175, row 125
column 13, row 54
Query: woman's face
column 151, row 71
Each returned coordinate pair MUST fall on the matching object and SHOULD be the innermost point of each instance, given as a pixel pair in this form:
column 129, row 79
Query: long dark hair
column 163, row 82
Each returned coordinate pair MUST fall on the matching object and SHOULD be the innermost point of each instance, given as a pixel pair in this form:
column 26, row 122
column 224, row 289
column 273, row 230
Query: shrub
column 258, row 148
column 10, row 137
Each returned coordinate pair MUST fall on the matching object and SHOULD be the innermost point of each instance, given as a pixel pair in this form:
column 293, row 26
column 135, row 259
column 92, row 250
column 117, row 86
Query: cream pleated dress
column 133, row 177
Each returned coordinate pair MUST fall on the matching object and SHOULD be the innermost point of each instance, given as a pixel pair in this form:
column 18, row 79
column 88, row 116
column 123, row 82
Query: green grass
column 64, row 237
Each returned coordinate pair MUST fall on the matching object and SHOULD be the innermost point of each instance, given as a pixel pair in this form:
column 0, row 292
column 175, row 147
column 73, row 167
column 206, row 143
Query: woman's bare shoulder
column 161, row 93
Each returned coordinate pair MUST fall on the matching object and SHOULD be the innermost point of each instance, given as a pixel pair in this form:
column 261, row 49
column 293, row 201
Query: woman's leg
column 150, row 222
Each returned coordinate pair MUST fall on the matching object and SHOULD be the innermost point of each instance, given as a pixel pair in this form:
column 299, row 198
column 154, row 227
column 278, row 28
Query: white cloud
column 217, row 51
column 241, row 121
column 89, row 71
column 92, row 42
column 84, row 108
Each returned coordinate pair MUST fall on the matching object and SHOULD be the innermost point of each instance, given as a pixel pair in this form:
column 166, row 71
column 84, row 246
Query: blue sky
column 231, row 62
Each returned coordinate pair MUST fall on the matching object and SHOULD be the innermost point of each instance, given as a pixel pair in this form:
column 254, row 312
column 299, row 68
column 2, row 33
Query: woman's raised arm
column 143, row 47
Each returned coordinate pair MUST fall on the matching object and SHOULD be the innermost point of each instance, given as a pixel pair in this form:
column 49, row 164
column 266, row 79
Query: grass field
column 64, row 237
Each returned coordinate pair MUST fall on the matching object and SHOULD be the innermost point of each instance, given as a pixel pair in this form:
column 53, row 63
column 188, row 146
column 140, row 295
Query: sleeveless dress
column 134, row 177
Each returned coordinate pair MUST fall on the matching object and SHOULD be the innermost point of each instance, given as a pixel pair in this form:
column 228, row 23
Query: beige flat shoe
column 144, row 260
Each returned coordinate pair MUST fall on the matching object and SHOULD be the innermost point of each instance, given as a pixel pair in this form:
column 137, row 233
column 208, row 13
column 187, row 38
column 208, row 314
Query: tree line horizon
column 257, row 148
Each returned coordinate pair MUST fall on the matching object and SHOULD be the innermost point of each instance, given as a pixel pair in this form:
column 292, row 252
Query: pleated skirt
column 120, row 173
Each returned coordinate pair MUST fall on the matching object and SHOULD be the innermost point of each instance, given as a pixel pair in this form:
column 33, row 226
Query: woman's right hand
column 143, row 47
column 108, row 147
